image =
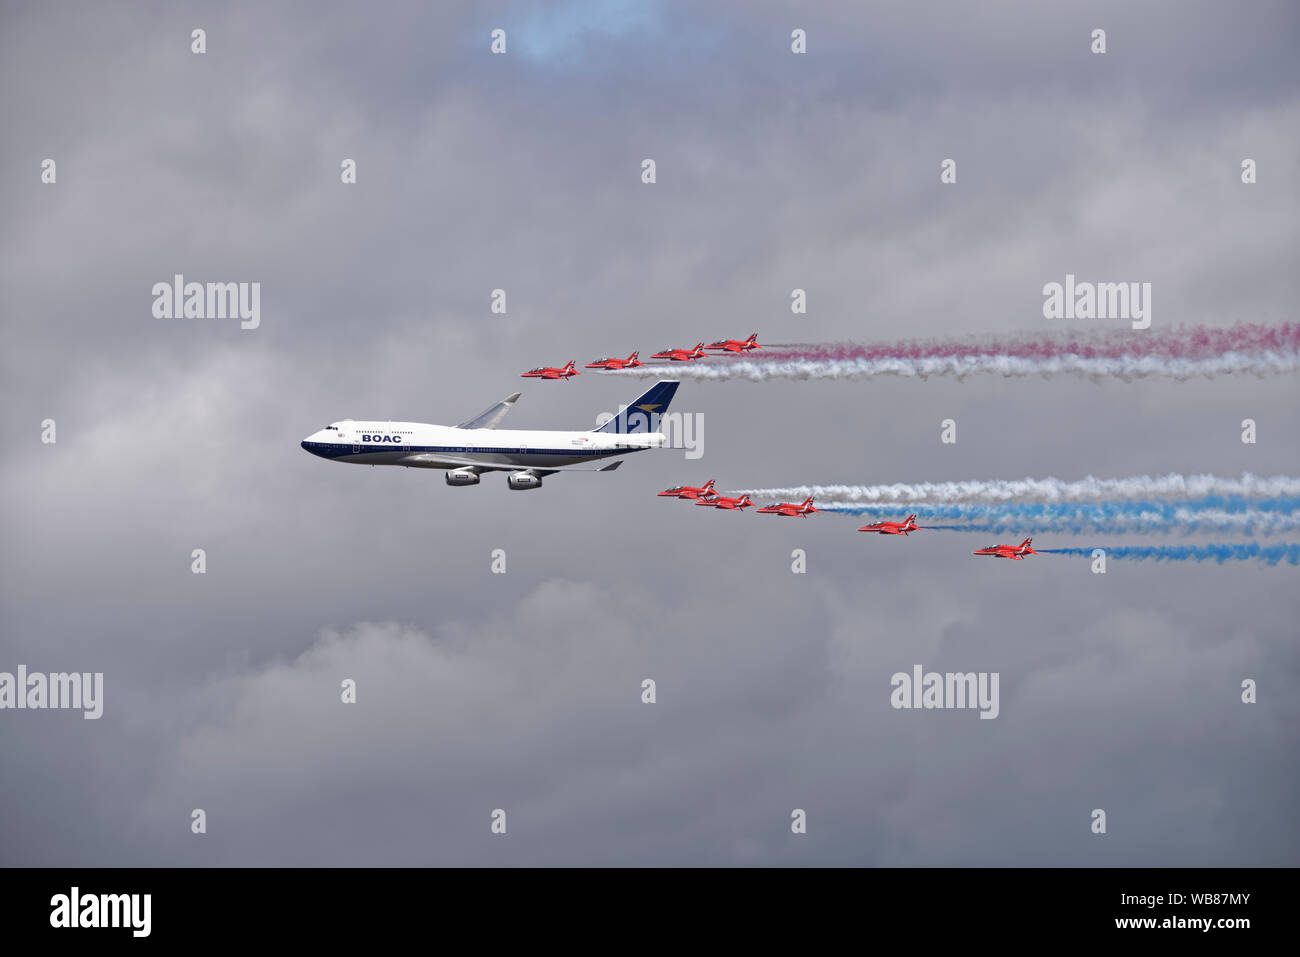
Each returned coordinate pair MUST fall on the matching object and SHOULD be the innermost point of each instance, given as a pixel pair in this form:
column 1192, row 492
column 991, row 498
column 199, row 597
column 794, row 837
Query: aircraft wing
column 490, row 417
column 429, row 460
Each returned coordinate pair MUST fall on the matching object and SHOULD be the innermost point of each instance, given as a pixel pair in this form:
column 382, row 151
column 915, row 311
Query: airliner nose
column 321, row 443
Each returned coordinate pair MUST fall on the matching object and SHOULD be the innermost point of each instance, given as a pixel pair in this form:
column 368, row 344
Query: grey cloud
column 522, row 690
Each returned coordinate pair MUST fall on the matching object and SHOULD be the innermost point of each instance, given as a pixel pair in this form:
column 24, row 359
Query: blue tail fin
column 642, row 414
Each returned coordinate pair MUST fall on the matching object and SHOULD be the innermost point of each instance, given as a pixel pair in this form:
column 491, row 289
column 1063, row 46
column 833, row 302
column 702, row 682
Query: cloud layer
column 522, row 691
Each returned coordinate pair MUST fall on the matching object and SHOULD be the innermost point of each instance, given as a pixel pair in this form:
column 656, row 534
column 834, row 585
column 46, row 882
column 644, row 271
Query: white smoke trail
column 1045, row 490
column 1119, row 367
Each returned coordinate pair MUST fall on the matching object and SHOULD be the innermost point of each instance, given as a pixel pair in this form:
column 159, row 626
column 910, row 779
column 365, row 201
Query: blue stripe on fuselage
column 342, row 450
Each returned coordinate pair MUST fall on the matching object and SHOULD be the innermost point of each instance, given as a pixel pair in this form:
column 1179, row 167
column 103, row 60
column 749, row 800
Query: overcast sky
column 522, row 691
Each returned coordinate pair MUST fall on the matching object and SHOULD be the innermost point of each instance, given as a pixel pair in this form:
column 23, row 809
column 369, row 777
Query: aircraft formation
column 466, row 451
column 612, row 363
column 707, row 495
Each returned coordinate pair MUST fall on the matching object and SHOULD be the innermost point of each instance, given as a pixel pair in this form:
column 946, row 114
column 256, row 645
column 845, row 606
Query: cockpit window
column 332, row 428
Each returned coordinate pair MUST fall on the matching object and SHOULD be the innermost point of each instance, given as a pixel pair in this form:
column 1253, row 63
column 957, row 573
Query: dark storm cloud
column 522, row 691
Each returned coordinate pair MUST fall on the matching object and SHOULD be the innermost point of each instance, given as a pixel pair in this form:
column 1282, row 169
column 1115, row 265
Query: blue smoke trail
column 1270, row 554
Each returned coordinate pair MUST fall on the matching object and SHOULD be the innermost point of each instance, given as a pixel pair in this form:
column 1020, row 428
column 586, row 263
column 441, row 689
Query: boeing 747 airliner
column 468, row 450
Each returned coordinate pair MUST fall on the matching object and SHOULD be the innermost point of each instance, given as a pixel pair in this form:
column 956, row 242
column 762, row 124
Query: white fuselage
column 421, row 445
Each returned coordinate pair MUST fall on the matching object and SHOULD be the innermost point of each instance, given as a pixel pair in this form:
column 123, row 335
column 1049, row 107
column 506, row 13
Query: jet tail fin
column 643, row 413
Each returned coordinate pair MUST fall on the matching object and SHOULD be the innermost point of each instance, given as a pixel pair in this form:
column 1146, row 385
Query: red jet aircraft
column 627, row 363
column 682, row 355
column 736, row 345
column 547, row 372
column 1018, row 552
column 690, row 491
column 721, row 501
column 905, row 527
column 789, row 508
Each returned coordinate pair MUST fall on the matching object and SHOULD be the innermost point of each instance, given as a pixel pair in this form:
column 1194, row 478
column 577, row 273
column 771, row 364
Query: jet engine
column 461, row 477
column 524, row 480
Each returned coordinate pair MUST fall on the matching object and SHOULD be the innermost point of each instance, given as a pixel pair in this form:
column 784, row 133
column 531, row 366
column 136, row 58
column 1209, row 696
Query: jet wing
column 430, row 460
column 490, row 417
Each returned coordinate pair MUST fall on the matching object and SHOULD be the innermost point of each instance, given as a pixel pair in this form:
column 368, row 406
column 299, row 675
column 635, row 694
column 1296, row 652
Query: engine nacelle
column 523, row 480
column 461, row 477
